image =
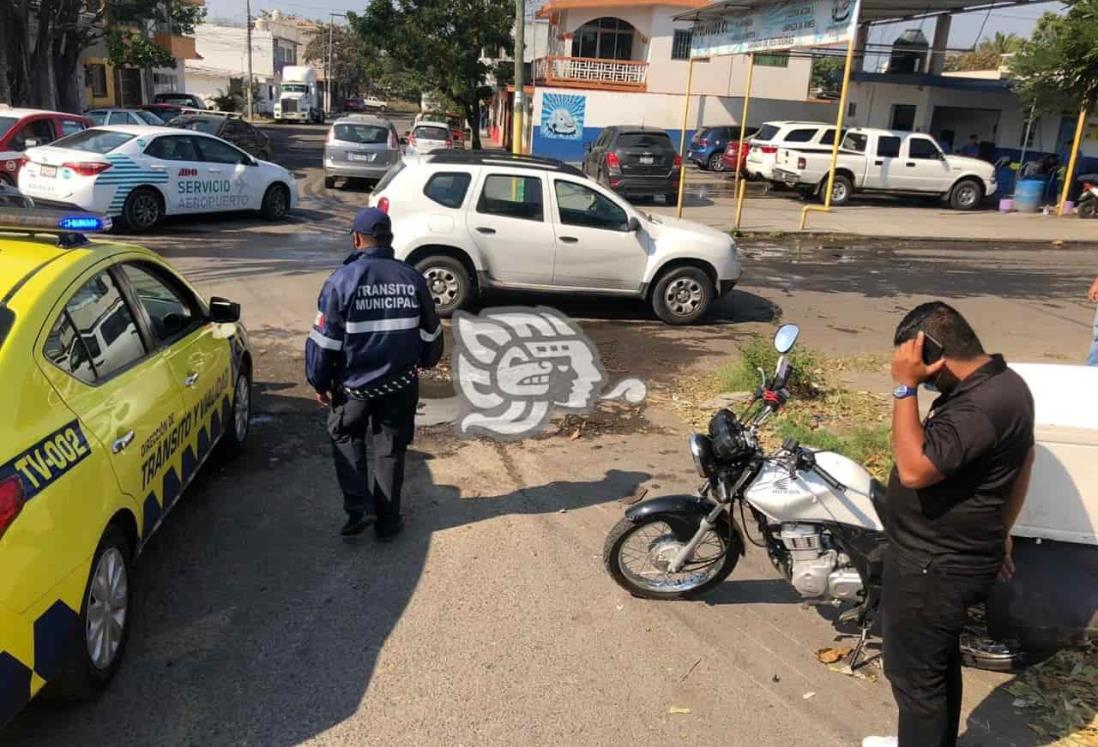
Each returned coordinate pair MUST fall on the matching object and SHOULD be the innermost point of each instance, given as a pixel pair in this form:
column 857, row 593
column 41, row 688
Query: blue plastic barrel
column 1028, row 194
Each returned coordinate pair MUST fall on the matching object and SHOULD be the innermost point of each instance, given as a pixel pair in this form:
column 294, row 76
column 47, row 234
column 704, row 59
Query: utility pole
column 519, row 111
column 248, row 12
column 330, row 62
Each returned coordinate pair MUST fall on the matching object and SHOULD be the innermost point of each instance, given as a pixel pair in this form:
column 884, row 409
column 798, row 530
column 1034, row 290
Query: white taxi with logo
column 141, row 174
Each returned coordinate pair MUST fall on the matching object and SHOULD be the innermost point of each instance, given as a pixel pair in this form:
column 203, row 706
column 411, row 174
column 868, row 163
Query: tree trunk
column 5, row 86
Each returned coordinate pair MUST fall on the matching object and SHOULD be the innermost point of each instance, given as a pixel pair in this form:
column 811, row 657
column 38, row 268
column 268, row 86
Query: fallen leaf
column 806, row 696
column 678, row 709
column 575, row 435
column 832, row 655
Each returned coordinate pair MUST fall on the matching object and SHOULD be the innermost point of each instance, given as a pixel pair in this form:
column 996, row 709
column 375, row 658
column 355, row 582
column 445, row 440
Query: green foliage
column 988, row 54
column 869, row 446
column 1056, row 70
column 742, row 375
column 125, row 27
column 227, row 102
column 827, row 75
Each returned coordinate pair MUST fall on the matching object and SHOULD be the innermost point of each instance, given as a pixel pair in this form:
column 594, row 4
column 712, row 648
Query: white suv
column 808, row 137
column 472, row 221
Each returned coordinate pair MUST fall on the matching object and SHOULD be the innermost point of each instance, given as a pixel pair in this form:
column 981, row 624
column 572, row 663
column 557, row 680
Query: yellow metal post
column 682, row 134
column 826, row 207
column 740, row 187
column 1079, row 127
column 517, row 124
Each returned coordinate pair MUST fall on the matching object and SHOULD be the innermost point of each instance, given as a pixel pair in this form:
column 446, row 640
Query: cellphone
column 932, row 349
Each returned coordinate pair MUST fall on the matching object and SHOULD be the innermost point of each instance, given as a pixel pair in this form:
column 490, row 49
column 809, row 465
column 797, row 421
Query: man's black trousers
column 369, row 441
column 924, row 610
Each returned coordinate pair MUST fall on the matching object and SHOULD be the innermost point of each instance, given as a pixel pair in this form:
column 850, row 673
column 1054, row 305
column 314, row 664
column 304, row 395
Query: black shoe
column 386, row 531
column 357, row 524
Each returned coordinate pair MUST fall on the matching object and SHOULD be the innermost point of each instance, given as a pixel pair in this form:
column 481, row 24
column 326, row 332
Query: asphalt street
column 491, row 620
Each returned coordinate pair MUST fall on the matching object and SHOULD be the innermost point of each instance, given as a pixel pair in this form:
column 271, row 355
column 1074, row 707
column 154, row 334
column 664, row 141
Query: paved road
column 492, row 621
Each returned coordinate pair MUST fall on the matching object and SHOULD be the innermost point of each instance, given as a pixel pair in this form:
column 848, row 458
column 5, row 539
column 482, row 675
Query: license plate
column 647, row 160
column 361, row 156
column 50, row 171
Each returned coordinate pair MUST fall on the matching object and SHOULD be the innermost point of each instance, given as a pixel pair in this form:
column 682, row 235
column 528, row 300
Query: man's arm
column 914, row 468
column 324, row 346
column 430, row 328
column 1013, row 508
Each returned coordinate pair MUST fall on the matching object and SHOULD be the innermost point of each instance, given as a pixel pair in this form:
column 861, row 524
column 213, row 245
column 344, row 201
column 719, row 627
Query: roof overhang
column 873, row 11
column 555, row 6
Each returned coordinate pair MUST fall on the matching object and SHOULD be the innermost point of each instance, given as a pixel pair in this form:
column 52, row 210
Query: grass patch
column 742, row 375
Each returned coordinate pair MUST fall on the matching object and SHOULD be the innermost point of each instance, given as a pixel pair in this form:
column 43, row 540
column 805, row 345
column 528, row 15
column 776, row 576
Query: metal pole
column 838, row 134
column 1025, row 144
column 248, row 14
column 1079, row 127
column 738, row 187
column 328, row 65
column 682, row 134
column 518, row 118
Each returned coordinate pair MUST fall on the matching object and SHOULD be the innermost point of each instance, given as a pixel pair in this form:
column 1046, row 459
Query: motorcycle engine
column 819, row 572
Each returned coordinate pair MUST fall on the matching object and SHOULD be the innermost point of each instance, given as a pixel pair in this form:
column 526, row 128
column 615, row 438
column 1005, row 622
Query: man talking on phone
column 956, row 488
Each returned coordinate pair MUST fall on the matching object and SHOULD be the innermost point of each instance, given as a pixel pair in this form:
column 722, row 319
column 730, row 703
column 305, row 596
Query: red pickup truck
column 25, row 128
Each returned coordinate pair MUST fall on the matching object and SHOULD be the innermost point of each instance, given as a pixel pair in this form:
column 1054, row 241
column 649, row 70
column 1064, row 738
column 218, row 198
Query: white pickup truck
column 888, row 161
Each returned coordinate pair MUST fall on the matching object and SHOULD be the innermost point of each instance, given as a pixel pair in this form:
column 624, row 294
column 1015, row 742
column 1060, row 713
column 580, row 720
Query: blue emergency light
column 83, row 223
column 68, row 226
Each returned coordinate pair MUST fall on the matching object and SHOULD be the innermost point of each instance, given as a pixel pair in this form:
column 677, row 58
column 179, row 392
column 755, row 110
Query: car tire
column 448, row 282
column 966, row 195
column 92, row 661
column 329, row 182
column 1088, row 208
column 716, row 162
column 841, row 190
column 276, row 202
column 237, row 429
column 682, row 295
column 142, row 210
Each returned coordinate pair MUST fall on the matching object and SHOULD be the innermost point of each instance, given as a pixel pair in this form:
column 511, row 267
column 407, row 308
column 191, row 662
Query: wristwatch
column 903, row 391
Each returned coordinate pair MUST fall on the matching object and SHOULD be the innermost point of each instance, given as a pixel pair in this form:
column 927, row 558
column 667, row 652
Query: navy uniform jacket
column 376, row 322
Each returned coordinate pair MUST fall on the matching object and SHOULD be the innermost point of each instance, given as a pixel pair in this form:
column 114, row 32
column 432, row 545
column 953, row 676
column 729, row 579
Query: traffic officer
column 958, row 485
column 375, row 328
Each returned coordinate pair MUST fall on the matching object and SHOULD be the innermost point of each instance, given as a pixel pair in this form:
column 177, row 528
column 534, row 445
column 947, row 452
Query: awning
column 873, row 11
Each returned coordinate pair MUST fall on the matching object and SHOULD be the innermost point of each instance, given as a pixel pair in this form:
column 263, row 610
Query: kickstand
column 853, row 662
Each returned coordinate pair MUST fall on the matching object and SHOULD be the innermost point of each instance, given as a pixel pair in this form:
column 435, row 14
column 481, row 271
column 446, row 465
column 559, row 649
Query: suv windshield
column 361, row 133
column 766, row 133
column 94, row 141
column 644, row 140
column 295, row 88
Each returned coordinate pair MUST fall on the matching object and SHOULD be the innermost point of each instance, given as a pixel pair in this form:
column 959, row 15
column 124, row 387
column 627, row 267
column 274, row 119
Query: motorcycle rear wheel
column 652, row 542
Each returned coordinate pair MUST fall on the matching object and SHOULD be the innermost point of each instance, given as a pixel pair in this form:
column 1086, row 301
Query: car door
column 238, row 134
column 924, row 166
column 177, row 155
column 509, row 227
column 196, row 351
column 882, row 163
column 33, row 132
column 227, row 185
column 105, row 369
column 595, row 248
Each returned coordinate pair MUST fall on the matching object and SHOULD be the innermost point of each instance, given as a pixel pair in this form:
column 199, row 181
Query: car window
column 6, row 124
column 67, row 350
column 578, row 205
column 803, row 135
column 512, row 197
column 855, row 141
column 148, row 118
column 921, row 147
column 40, row 130
column 172, row 310
column 94, row 141
column 431, row 133
column 69, row 126
column 365, row 134
column 828, row 138
column 105, row 324
column 448, row 188
column 644, row 140
column 173, row 148
column 888, row 147
column 766, row 133
column 98, row 118
column 217, row 151
column 116, row 118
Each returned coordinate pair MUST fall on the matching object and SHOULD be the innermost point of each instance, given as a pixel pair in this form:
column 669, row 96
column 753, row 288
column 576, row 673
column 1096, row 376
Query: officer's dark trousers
column 924, row 610
column 369, row 440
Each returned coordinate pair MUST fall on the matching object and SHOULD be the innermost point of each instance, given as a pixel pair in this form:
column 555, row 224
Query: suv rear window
column 431, row 133
column 448, row 188
column 644, row 140
column 766, row 133
column 802, row 135
column 361, row 133
column 94, row 141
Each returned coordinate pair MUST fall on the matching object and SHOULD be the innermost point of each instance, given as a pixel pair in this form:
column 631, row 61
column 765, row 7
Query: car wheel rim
column 443, row 285
column 716, row 164
column 966, row 196
column 684, row 296
column 838, row 193
column 107, row 605
column 242, row 406
column 145, row 210
column 278, row 203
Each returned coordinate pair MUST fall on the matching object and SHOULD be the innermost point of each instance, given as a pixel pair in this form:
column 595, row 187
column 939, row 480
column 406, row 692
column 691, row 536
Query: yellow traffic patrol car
column 117, row 381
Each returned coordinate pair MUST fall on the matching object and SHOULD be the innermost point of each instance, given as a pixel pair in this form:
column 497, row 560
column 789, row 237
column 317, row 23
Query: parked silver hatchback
column 360, row 146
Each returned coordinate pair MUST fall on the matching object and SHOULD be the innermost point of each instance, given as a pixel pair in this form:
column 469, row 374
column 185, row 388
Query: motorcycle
column 1087, row 205
column 817, row 514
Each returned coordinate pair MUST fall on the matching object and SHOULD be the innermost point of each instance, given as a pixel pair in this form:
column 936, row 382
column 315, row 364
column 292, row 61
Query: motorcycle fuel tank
column 805, row 497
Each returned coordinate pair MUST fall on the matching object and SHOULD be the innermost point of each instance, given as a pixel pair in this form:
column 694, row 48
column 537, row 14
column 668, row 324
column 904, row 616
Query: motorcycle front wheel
column 637, row 555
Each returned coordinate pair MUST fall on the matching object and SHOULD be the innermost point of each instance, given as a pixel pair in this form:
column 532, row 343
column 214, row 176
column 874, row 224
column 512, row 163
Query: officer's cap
column 372, row 222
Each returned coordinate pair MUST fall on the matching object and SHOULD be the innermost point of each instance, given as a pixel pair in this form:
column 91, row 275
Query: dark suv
column 242, row 134
column 635, row 162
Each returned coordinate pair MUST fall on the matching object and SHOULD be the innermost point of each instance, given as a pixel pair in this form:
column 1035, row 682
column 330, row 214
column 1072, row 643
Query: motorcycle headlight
column 701, row 449
column 727, row 436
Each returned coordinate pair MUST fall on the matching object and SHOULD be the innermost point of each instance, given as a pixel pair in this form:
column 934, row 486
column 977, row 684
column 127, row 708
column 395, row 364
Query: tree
column 988, row 54
column 827, row 76
column 347, row 56
column 441, row 42
column 1056, row 70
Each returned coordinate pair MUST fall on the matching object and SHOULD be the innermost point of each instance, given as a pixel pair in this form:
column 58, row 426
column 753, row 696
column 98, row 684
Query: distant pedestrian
column 972, row 147
column 1092, row 359
column 375, row 327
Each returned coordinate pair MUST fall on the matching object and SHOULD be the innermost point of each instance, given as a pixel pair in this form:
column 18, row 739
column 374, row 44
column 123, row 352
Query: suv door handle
column 122, row 442
column 485, row 229
column 191, row 379
column 879, row 162
column 569, row 239
column 910, row 165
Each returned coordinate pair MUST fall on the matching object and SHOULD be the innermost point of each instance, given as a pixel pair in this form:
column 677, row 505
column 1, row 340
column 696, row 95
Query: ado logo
column 188, row 172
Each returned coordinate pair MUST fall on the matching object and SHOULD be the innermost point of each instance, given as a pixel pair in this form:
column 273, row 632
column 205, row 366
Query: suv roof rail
column 500, row 158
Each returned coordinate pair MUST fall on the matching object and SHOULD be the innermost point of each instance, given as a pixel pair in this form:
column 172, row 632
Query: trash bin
column 1028, row 195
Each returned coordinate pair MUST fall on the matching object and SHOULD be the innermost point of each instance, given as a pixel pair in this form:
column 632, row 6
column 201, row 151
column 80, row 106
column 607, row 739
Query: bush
column 805, row 379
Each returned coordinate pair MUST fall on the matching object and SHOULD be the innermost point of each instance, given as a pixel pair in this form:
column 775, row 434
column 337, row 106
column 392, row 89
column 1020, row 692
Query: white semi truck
column 298, row 97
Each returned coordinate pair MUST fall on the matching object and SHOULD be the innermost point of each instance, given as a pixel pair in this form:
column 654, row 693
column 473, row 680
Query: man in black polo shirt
column 957, row 486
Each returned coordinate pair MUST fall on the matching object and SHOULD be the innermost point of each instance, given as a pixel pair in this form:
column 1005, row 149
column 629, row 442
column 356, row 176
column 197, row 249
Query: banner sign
column 776, row 26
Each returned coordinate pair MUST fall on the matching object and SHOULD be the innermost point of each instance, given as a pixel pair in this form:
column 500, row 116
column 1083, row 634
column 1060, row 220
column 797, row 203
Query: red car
column 25, row 128
column 732, row 160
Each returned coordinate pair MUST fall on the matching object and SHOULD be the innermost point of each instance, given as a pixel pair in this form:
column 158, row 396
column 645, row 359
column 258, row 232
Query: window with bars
column 779, row 59
column 96, row 76
column 680, row 45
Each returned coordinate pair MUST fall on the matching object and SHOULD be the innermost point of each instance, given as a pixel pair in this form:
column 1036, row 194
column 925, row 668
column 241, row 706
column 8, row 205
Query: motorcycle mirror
column 781, row 376
column 786, row 337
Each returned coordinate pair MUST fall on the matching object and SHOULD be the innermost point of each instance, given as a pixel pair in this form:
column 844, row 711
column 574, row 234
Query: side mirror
column 224, row 311
column 633, row 225
column 786, row 337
